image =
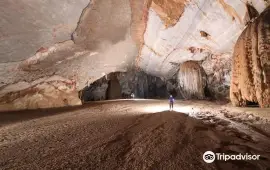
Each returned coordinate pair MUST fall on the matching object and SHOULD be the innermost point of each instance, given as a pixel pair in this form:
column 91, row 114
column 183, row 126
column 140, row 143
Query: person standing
column 171, row 101
column 132, row 95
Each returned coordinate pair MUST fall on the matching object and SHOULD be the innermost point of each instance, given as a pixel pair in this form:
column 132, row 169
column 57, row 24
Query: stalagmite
column 192, row 80
column 251, row 64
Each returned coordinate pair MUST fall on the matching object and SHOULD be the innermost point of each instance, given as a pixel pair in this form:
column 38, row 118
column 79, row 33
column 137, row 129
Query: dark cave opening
column 252, row 104
column 121, row 85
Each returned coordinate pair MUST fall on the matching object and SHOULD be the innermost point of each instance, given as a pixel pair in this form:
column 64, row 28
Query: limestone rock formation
column 251, row 64
column 192, row 80
column 218, row 71
column 212, row 26
column 43, row 93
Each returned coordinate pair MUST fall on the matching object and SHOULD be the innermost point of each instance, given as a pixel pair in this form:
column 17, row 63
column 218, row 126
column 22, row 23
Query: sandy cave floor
column 129, row 135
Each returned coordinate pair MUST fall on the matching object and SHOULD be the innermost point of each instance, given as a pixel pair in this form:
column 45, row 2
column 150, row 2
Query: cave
column 134, row 84
column 120, row 85
column 252, row 104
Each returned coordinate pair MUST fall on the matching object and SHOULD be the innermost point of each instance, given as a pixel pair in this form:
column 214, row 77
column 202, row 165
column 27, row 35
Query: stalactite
column 251, row 64
column 192, row 80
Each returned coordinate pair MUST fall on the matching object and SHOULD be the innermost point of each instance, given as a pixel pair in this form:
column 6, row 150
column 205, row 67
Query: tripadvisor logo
column 210, row 157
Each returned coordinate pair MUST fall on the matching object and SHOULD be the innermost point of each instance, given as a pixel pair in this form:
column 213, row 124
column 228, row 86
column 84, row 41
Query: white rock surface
column 164, row 46
column 27, row 25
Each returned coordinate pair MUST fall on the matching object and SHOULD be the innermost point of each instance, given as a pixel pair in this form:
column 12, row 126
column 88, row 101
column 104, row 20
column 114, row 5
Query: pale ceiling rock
column 27, row 25
column 103, row 21
column 69, row 62
column 62, row 59
column 114, row 57
column 105, row 29
column 99, row 48
column 210, row 25
column 46, row 57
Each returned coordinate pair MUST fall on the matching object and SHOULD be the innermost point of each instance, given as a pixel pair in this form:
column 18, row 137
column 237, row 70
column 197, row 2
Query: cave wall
column 144, row 85
column 132, row 81
column 218, row 71
column 251, row 64
column 95, row 91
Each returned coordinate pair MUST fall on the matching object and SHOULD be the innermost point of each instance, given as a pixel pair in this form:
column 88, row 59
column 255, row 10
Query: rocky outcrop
column 43, row 93
column 251, row 64
column 192, row 80
column 95, row 91
column 218, row 71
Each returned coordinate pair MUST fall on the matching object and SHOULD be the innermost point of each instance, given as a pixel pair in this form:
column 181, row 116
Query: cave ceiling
column 83, row 40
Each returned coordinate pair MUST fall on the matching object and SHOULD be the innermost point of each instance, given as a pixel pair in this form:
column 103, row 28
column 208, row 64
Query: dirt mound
column 116, row 135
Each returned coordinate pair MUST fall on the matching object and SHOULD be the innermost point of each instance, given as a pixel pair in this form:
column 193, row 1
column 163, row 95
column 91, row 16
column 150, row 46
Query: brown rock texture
column 192, row 80
column 251, row 64
column 139, row 17
column 169, row 10
column 52, row 92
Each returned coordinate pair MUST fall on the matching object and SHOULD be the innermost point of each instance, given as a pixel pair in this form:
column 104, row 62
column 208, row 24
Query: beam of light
column 164, row 107
column 184, row 109
column 154, row 109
